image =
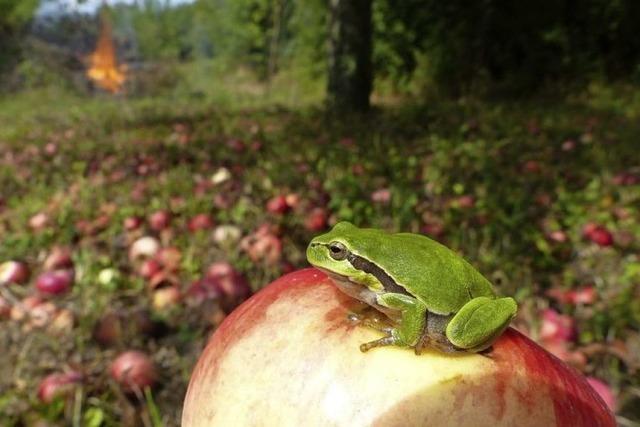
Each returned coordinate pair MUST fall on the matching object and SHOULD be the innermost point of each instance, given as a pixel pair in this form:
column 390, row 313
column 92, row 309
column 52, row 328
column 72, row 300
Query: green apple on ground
column 290, row 356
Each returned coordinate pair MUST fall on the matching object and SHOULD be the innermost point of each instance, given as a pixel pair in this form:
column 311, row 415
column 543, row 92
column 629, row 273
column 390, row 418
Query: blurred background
column 162, row 160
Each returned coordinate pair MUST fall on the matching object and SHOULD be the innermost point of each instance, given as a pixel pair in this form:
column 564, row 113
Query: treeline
column 456, row 46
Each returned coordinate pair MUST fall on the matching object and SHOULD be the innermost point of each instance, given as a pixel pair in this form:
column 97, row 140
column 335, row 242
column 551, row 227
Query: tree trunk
column 350, row 69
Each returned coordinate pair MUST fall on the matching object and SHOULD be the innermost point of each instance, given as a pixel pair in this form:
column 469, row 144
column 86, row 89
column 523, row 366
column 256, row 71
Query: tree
column 350, row 68
column 14, row 17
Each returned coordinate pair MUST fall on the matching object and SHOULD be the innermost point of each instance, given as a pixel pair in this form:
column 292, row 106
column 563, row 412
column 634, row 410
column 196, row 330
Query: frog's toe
column 385, row 341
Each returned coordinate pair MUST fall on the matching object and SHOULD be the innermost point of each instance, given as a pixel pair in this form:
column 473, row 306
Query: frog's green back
column 430, row 271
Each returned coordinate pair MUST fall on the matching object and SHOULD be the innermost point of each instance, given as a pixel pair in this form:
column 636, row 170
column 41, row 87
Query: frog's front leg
column 411, row 325
column 480, row 322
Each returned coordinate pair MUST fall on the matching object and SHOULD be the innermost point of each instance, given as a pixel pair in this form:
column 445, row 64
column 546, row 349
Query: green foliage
column 455, row 46
column 161, row 32
column 14, row 17
column 513, row 47
column 14, row 14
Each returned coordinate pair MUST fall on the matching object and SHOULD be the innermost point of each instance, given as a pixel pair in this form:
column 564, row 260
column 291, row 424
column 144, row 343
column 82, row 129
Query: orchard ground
column 542, row 196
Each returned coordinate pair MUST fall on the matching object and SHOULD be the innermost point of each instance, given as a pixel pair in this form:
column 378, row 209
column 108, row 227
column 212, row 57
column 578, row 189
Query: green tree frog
column 433, row 297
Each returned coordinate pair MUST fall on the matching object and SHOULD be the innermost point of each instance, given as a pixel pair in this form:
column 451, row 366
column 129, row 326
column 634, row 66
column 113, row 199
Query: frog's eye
column 337, row 251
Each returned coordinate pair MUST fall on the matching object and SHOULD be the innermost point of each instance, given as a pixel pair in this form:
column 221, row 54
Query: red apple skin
column 290, row 356
column 131, row 223
column 55, row 282
column 200, row 222
column 57, row 384
column 133, row 370
column 58, row 259
column 13, row 272
column 159, row 220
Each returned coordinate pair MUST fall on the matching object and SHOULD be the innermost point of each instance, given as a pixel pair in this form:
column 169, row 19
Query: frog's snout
column 314, row 252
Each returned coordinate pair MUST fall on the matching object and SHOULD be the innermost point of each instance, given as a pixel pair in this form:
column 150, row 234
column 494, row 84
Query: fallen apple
column 59, row 258
column 13, row 272
column 289, row 356
column 143, row 248
column 134, row 371
column 58, row 384
column 55, row 282
column 200, row 222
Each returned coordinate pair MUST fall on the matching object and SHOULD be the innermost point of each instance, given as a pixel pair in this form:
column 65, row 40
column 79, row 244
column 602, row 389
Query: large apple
column 289, row 356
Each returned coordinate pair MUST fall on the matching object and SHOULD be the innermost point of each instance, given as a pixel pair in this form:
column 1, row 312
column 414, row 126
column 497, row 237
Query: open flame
column 103, row 64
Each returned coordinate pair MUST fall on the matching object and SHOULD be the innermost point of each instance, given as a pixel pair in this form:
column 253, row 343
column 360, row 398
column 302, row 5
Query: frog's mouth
column 359, row 292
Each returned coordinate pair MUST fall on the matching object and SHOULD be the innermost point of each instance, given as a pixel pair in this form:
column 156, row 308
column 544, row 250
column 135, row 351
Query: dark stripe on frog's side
column 362, row 264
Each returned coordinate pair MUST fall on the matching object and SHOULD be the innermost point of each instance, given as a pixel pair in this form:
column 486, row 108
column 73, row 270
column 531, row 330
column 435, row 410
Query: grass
column 500, row 182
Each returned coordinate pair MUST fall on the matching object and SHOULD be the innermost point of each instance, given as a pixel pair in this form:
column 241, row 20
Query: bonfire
column 104, row 69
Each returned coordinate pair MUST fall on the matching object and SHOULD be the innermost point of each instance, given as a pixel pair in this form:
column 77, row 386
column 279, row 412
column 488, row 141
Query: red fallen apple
column 108, row 330
column 21, row 310
column 163, row 279
column 290, row 356
column 466, row 201
column 583, row 295
column 278, row 205
column 434, row 229
column 39, row 221
column 202, row 290
column 531, row 166
column 133, row 370
column 169, row 258
column 54, row 282
column 263, row 245
column 568, row 145
column 58, row 258
column 316, row 219
column 131, row 223
column 598, row 234
column 556, row 326
column 13, row 272
column 160, row 220
column 62, row 322
column 293, row 200
column 229, row 281
column 557, row 236
column 381, row 196
column 200, row 222
column 42, row 314
column 149, row 268
column 57, row 384
column 50, row 149
column 165, row 298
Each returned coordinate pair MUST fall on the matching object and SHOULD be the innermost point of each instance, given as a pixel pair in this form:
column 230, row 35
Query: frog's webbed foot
column 487, row 352
column 423, row 343
column 428, row 341
column 371, row 320
column 447, row 347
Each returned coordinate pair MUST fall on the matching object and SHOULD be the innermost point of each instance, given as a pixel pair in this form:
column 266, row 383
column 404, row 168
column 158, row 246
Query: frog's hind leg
column 480, row 322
